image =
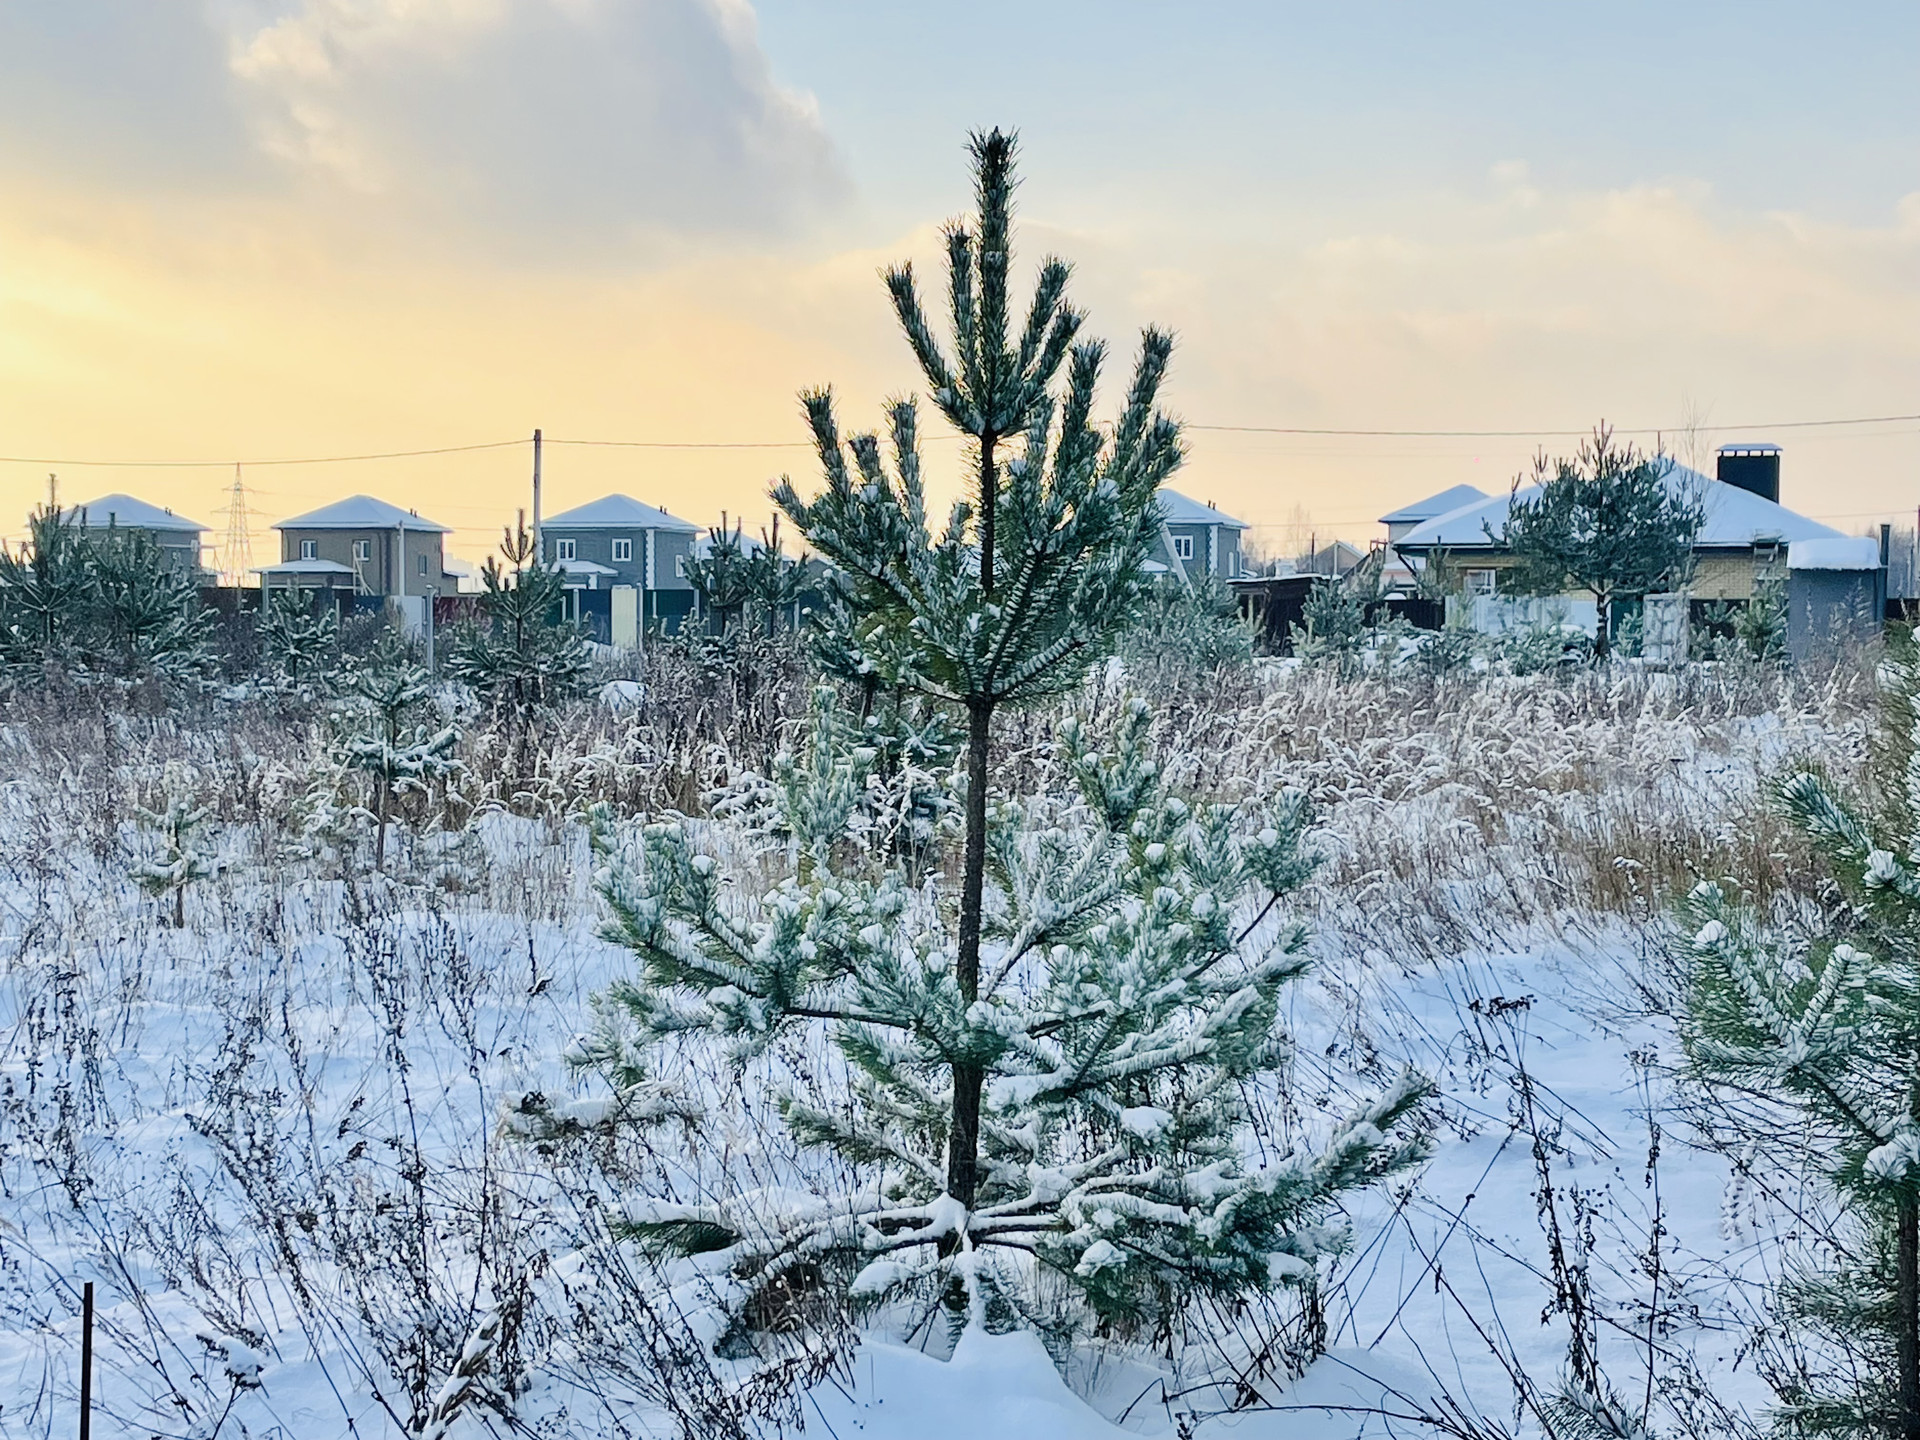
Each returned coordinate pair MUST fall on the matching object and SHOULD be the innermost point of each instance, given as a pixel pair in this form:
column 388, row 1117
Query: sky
column 270, row 230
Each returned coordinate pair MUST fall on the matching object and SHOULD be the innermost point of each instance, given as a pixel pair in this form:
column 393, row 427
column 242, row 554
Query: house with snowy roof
column 1747, row 540
column 619, row 541
column 1196, row 539
column 176, row 537
column 363, row 546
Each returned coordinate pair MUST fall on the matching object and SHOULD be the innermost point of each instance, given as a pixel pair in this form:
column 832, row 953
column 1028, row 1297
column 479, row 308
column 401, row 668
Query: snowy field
column 293, row 1144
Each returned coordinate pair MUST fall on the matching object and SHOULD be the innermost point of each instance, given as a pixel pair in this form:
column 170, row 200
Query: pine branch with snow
column 1125, row 1001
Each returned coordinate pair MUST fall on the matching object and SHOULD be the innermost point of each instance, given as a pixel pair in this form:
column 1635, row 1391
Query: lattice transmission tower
column 236, row 551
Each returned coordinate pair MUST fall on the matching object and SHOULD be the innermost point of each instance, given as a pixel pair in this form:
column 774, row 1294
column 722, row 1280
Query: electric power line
column 1375, row 433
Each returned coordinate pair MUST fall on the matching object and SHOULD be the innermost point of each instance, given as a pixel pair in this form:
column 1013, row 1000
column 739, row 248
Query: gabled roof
column 360, row 512
column 1177, row 509
column 1734, row 519
column 618, row 512
column 1434, row 506
column 129, row 512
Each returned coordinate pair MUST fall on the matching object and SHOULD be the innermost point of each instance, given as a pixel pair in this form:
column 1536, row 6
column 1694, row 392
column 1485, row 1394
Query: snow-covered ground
column 281, row 1142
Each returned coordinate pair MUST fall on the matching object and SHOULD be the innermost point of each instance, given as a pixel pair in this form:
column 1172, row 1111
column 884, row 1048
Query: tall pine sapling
column 522, row 656
column 299, row 638
column 147, row 617
column 1611, row 521
column 1813, row 1043
column 45, row 587
column 384, row 740
column 722, row 574
column 1129, row 1001
column 1053, row 1078
column 1029, row 581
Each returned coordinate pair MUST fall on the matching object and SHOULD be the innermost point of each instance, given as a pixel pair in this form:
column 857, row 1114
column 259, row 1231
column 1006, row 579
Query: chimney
column 1753, row 467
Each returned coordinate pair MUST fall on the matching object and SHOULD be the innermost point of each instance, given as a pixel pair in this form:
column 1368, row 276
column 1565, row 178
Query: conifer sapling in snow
column 300, row 638
column 385, row 741
column 1047, row 1068
column 181, row 855
column 1814, row 1044
column 522, row 656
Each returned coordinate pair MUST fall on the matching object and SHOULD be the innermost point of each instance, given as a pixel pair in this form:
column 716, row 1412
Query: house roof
column 304, row 567
column 582, row 567
column 1177, row 509
column 1435, row 506
column 1734, row 519
column 127, row 512
column 1848, row 552
column 618, row 512
column 360, row 512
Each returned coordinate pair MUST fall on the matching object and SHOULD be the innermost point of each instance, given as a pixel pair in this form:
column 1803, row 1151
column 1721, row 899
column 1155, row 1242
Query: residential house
column 1196, row 539
column 1747, row 539
column 1397, row 573
column 619, row 541
column 363, row 546
column 176, row 537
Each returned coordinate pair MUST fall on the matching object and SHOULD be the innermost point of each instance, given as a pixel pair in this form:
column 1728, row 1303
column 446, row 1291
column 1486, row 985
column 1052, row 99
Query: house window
column 423, row 564
column 363, row 550
column 1183, row 547
column 563, row 549
column 622, row 550
column 680, row 566
column 309, row 549
column 1483, row 582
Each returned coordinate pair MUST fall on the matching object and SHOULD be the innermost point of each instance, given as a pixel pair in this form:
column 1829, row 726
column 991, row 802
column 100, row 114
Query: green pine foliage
column 299, row 640
column 389, row 736
column 1126, row 1006
column 1187, row 633
column 101, row 603
column 1334, row 631
column 521, row 656
column 1048, row 1067
column 1607, row 522
column 1814, row 1043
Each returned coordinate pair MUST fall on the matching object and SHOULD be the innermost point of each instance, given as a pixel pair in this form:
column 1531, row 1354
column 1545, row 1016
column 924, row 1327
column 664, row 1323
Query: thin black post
column 86, row 1362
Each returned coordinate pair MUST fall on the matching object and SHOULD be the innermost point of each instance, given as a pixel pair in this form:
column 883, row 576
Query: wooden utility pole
column 539, row 553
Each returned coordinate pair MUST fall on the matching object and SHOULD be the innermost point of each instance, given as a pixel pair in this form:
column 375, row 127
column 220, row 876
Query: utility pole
column 539, row 552
column 53, row 491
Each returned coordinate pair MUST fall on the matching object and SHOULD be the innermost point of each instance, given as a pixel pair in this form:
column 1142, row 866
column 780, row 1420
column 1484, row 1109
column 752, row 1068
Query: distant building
column 619, row 541
column 177, row 538
column 1397, row 573
column 363, row 546
column 1747, row 539
column 1196, row 539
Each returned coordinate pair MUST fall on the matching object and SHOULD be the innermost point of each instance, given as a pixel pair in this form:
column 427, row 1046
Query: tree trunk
column 963, row 1143
column 1603, row 626
column 1907, row 1316
column 380, row 827
column 989, row 502
column 179, row 907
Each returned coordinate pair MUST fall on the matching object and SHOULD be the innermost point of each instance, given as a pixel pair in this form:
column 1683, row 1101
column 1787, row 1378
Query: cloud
column 569, row 119
column 550, row 125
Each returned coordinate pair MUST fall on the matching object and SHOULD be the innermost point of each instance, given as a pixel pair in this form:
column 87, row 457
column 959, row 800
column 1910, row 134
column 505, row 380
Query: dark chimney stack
column 1755, row 468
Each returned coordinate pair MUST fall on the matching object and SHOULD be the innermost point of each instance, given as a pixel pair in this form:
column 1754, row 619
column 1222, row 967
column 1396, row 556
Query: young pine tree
column 1609, row 522
column 180, row 855
column 1054, row 1076
column 45, row 588
column 722, row 574
column 299, row 639
column 1814, row 1044
column 521, row 656
column 1125, row 1011
column 386, row 742
column 146, row 615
